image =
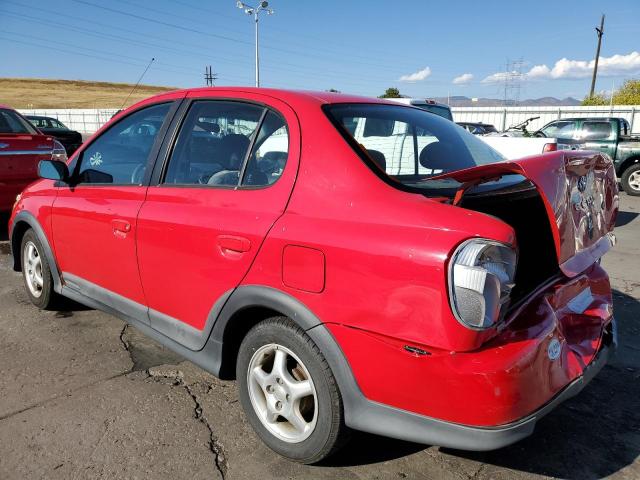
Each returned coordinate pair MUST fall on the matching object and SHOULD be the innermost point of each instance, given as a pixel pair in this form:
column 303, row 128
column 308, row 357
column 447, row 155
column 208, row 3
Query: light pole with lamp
column 255, row 11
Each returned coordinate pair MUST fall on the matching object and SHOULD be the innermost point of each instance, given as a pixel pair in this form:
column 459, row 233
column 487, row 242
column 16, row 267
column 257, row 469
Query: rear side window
column 11, row 122
column 228, row 143
column 120, row 155
column 596, row 130
column 443, row 112
column 563, row 130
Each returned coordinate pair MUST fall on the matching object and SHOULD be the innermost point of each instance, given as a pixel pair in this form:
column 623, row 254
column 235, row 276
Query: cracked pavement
column 83, row 395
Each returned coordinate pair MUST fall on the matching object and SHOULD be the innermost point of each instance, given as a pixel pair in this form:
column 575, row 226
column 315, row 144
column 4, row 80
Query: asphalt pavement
column 82, row 395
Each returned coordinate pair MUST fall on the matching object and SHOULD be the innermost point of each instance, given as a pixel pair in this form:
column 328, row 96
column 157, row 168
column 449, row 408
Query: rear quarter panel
column 386, row 250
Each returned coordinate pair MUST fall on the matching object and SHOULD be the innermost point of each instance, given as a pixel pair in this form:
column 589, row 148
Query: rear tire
column 36, row 272
column 282, row 375
column 630, row 180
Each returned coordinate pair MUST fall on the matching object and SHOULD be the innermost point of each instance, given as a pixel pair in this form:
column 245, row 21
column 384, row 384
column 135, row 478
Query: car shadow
column 590, row 436
column 624, row 218
column 4, row 227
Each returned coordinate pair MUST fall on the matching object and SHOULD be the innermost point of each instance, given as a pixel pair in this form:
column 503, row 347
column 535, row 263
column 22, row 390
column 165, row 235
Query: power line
column 296, row 71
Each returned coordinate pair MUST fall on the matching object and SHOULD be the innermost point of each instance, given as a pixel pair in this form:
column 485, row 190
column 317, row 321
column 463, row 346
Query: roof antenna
column 137, row 83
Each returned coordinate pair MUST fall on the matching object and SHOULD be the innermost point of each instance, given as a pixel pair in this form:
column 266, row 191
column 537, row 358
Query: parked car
column 608, row 135
column 454, row 303
column 54, row 127
column 21, row 148
column 431, row 106
column 478, row 128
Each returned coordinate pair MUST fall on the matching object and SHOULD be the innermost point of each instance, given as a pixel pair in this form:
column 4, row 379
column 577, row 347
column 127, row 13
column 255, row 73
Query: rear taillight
column 549, row 147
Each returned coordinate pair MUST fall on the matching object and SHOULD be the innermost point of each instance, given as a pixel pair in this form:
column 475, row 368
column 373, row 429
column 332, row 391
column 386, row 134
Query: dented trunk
column 579, row 193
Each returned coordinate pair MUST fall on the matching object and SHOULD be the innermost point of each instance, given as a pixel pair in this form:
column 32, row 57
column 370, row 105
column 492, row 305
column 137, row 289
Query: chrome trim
column 26, row 152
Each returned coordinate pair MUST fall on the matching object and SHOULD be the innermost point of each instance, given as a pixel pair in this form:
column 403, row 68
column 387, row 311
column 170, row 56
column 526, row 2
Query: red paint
column 384, row 256
column 303, row 268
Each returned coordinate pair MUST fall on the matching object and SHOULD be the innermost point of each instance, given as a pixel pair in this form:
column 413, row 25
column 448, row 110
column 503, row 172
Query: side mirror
column 53, row 170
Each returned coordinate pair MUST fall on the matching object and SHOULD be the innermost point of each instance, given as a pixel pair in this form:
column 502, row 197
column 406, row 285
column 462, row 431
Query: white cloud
column 566, row 68
column 417, row 76
column 463, row 79
column 498, row 77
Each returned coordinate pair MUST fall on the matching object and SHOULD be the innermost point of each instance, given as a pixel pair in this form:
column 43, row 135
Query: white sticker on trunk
column 581, row 302
column 554, row 348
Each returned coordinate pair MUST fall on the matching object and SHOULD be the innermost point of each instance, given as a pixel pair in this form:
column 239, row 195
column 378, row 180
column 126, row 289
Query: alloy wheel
column 282, row 393
column 32, row 262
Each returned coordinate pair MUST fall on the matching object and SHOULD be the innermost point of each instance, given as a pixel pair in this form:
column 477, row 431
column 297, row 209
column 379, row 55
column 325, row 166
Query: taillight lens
column 549, row 147
column 481, row 276
column 59, row 152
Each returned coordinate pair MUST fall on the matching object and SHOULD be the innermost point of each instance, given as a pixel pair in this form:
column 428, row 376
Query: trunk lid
column 580, row 194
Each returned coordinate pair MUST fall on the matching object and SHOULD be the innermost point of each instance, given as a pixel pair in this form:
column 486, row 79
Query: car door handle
column 234, row 243
column 120, row 226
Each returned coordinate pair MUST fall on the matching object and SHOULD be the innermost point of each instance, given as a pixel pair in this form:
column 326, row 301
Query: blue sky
column 357, row 47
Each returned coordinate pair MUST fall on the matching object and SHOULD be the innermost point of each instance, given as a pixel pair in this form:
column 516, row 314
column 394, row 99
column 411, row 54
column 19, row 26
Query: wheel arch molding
column 22, row 222
column 247, row 306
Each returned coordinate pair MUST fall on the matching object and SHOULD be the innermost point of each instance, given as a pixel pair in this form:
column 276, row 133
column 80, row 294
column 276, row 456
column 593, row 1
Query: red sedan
column 352, row 262
column 22, row 146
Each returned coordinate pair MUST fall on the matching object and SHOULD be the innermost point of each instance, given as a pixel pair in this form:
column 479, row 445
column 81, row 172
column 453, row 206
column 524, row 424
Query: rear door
column 21, row 148
column 94, row 217
column 226, row 179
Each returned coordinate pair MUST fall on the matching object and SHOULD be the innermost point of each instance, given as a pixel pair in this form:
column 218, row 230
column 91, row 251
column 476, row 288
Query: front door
column 94, row 217
column 204, row 221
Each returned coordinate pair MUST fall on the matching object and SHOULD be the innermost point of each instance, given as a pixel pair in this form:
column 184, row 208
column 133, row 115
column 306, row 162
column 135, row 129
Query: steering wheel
column 138, row 174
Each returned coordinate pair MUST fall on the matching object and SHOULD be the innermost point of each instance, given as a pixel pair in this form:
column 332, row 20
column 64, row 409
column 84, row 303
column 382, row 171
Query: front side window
column 596, row 130
column 562, row 130
column 421, row 146
column 214, row 143
column 120, row 155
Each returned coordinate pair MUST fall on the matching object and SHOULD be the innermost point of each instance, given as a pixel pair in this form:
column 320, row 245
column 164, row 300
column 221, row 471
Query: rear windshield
column 443, row 112
column 11, row 122
column 408, row 144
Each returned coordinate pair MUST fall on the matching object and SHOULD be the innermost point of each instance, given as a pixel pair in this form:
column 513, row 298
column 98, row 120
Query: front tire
column 630, row 180
column 289, row 393
column 36, row 272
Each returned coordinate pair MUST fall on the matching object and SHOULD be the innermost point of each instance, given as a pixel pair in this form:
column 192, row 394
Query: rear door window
column 213, row 143
column 596, row 130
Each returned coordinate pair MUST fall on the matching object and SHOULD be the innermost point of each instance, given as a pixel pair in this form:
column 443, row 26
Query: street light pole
column 255, row 16
column 255, row 12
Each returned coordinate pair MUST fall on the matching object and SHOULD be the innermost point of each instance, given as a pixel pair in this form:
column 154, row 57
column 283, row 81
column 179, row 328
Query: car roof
column 39, row 117
column 586, row 118
column 311, row 96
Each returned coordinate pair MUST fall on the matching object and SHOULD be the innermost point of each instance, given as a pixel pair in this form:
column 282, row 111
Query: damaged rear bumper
column 382, row 419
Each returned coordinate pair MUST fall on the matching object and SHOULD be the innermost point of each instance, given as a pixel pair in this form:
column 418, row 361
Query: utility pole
column 600, row 32
column 209, row 76
column 255, row 11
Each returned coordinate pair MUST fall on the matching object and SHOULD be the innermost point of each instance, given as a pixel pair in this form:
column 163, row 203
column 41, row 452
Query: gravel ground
column 84, row 396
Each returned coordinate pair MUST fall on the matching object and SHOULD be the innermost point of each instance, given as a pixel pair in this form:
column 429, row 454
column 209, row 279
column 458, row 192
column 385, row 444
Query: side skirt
column 209, row 358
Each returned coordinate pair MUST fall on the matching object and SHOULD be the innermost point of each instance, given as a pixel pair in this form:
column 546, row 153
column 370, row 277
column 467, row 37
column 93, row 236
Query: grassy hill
column 44, row 93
